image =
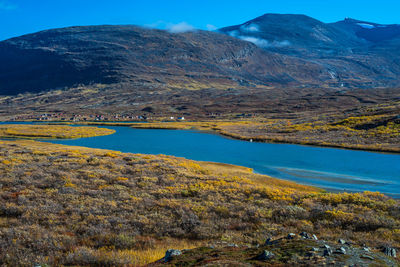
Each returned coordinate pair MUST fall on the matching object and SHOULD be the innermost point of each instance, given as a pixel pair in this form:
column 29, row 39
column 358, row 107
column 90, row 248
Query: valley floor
column 64, row 205
column 372, row 127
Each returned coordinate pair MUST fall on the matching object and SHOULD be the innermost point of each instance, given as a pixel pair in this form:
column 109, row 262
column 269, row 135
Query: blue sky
column 19, row 17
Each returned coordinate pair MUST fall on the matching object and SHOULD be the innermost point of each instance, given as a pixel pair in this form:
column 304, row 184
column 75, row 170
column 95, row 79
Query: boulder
column 268, row 241
column 391, row 252
column 341, row 241
column 341, row 250
column 327, row 252
column 367, row 257
column 265, row 255
column 171, row 253
column 291, row 236
column 314, row 237
column 305, row 235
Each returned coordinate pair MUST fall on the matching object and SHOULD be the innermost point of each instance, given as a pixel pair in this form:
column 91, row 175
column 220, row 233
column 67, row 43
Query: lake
column 329, row 168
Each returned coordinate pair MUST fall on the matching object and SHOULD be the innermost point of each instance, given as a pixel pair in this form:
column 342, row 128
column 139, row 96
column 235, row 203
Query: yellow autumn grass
column 50, row 131
column 135, row 207
column 145, row 256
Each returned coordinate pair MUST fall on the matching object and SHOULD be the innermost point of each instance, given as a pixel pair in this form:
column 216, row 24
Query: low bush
column 58, row 209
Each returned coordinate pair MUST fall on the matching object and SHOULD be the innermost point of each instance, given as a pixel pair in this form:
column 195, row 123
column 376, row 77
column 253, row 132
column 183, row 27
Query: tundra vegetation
column 64, row 205
column 53, row 131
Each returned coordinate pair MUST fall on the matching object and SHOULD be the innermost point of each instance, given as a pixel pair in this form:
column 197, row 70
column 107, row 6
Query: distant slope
column 355, row 53
column 293, row 32
column 112, row 54
column 369, row 31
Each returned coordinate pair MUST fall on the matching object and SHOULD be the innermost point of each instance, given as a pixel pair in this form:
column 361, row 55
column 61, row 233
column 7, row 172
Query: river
column 329, row 168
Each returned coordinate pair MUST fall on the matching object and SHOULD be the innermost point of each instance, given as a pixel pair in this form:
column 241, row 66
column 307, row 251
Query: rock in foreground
column 282, row 252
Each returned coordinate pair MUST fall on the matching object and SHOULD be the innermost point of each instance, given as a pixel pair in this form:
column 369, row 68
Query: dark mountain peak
column 357, row 23
column 345, row 47
column 352, row 20
column 277, row 20
column 369, row 31
column 290, row 31
column 284, row 17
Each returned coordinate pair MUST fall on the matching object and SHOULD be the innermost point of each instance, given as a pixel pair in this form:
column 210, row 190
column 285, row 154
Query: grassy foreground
column 53, row 131
column 64, row 205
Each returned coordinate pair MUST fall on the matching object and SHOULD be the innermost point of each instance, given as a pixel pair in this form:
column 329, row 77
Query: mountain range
column 271, row 50
column 276, row 56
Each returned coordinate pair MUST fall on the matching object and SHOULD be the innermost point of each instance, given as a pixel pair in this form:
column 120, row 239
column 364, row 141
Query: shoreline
column 142, row 125
column 239, row 168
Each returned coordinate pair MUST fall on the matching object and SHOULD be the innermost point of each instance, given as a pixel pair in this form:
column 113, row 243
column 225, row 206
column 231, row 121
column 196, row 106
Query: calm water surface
column 334, row 169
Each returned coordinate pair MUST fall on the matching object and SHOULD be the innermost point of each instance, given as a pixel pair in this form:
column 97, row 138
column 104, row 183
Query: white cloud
column 264, row 43
column 211, row 27
column 250, row 28
column 171, row 27
column 160, row 24
column 257, row 41
column 281, row 43
column 7, row 6
column 180, row 27
column 233, row 33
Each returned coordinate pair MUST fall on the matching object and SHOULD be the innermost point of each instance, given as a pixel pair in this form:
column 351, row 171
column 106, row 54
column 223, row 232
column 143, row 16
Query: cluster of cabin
column 87, row 117
column 117, row 117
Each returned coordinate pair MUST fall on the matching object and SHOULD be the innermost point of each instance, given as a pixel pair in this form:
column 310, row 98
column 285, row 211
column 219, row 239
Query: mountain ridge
column 347, row 50
column 132, row 68
column 120, row 53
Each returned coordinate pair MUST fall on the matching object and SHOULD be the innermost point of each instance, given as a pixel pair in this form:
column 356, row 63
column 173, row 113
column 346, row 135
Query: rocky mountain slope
column 113, row 54
column 270, row 51
column 355, row 53
column 272, row 64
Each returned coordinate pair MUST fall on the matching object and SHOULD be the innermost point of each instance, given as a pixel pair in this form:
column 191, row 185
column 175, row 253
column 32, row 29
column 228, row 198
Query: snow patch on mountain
column 366, row 26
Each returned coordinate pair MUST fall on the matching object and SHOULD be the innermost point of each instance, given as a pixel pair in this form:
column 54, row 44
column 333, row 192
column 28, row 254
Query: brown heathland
column 80, row 206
